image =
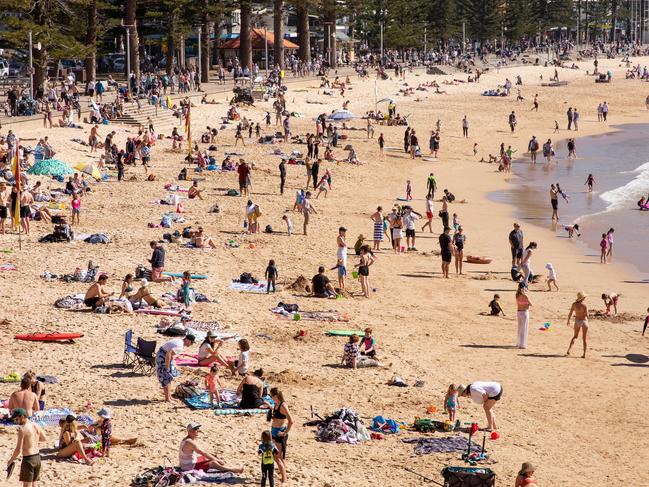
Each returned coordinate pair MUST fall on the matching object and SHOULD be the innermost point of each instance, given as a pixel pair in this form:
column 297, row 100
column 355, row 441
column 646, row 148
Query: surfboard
column 179, row 274
column 345, row 333
column 48, row 337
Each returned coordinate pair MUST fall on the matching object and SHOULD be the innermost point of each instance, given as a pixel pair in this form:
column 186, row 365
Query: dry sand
column 581, row 422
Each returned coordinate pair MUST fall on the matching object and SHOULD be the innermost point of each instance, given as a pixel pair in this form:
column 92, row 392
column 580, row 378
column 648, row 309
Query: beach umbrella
column 388, row 100
column 89, row 169
column 341, row 115
column 50, row 167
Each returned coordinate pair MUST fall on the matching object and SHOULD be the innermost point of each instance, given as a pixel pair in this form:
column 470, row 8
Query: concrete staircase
column 163, row 121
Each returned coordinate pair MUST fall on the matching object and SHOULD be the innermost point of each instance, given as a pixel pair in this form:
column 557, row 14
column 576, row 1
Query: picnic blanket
column 51, row 417
column 259, row 287
column 161, row 312
column 229, row 403
column 70, row 302
column 449, row 444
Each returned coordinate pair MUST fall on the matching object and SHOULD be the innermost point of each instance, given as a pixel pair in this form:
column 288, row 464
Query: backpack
column 232, row 192
column 246, row 278
column 291, row 308
column 186, row 389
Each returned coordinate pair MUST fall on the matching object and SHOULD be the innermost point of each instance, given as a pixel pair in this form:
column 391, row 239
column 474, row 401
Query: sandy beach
column 581, row 422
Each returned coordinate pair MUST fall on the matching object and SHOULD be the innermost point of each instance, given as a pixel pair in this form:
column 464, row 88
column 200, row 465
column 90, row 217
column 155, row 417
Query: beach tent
column 341, row 115
column 50, row 167
column 89, row 169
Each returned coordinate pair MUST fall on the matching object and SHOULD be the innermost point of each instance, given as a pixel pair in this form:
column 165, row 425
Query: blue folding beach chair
column 129, row 349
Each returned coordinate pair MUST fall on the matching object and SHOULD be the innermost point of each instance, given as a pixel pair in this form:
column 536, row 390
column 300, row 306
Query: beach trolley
column 468, row 477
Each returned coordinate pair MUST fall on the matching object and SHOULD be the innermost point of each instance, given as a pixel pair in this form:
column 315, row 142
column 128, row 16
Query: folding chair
column 129, row 349
column 144, row 357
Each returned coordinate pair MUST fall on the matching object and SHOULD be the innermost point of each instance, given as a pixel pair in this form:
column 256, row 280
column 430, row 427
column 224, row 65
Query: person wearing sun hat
column 105, row 426
column 580, row 310
column 192, row 457
column 525, row 475
column 29, row 435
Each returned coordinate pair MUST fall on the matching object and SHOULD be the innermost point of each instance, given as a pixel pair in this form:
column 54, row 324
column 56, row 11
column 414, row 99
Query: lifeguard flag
column 18, row 185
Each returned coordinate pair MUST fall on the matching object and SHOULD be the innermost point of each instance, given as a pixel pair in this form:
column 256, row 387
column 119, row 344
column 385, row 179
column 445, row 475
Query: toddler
column 496, row 309
column 451, row 402
column 408, row 190
column 271, row 276
column 267, row 450
column 213, row 385
column 289, row 224
column 552, row 277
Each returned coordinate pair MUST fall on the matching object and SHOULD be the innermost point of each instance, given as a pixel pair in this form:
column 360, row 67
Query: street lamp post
column 266, row 48
column 200, row 41
column 128, row 52
column 31, row 68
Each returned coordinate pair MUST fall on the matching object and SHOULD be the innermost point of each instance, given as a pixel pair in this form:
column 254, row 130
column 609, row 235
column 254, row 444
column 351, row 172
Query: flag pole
column 18, row 186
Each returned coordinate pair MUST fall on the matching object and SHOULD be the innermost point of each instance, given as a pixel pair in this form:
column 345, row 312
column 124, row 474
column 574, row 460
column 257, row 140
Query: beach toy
column 355, row 274
column 495, row 435
column 403, row 249
column 431, row 409
column 474, row 428
column 251, row 245
column 297, row 317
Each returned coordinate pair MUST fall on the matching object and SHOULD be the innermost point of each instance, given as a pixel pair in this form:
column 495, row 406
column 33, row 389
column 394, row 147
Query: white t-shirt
column 204, row 350
column 477, row 389
column 409, row 220
column 244, row 362
column 175, row 346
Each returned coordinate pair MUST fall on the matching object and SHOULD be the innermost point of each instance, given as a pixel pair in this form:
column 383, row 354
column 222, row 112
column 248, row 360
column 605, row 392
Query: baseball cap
column 17, row 413
column 193, row 426
column 190, row 337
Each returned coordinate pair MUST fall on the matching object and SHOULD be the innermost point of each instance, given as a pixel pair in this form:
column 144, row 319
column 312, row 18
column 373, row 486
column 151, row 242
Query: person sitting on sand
column 322, row 287
column 127, row 287
column 525, row 476
column 24, row 398
column 494, row 306
column 96, row 296
column 70, row 440
column 351, row 353
column 194, row 192
column 201, row 241
column 251, row 391
column 208, row 352
column 368, row 344
column 144, row 294
column 191, row 457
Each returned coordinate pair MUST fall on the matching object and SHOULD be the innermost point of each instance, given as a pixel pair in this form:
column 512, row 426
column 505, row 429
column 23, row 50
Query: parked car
column 4, row 69
column 17, row 69
column 119, row 65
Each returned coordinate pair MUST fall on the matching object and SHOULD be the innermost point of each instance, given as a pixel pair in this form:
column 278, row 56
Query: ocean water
column 619, row 162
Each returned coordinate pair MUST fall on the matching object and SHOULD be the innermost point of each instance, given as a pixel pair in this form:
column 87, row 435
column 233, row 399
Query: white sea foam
column 627, row 195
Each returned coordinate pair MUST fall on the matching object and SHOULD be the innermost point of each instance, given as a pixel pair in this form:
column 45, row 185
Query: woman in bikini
column 281, row 424
column 580, row 310
column 144, row 294
column 69, row 441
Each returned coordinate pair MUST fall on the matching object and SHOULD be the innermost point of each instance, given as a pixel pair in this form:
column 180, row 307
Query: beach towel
column 186, row 360
column 8, row 267
column 160, row 312
column 424, row 446
column 70, row 302
column 51, row 417
column 259, row 287
column 229, row 403
column 309, row 315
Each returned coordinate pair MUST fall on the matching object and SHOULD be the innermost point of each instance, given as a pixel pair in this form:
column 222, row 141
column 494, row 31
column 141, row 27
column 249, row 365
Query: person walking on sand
column 523, row 315
column 580, row 310
column 465, row 127
column 533, row 147
column 570, row 116
column 27, row 445
column 604, row 111
column 512, row 121
column 431, row 184
column 535, row 108
column 485, row 393
column 429, row 214
column 516, row 244
column 446, row 250
column 609, row 240
column 575, row 118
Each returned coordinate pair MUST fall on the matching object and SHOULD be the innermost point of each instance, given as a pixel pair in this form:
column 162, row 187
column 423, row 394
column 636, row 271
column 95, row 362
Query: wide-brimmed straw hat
column 581, row 296
column 460, row 390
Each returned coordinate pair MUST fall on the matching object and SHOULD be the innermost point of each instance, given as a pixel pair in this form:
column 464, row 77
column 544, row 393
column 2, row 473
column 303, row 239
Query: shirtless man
column 24, row 398
column 93, row 138
column 26, row 199
column 189, row 452
column 554, row 201
column 29, row 435
column 96, row 296
column 5, row 194
column 580, row 311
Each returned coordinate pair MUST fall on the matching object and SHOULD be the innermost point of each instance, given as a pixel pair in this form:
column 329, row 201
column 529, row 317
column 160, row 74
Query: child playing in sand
column 213, row 385
column 451, row 402
column 381, row 143
column 556, row 127
column 552, row 277
column 289, row 224
column 603, row 246
column 610, row 300
column 76, row 207
column 495, row 307
column 646, row 323
column 267, row 450
column 525, row 476
column 271, row 276
column 571, row 229
column 456, row 222
column 408, row 190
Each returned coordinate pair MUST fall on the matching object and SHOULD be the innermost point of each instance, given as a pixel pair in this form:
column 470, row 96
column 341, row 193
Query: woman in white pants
column 523, row 315
column 526, row 261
